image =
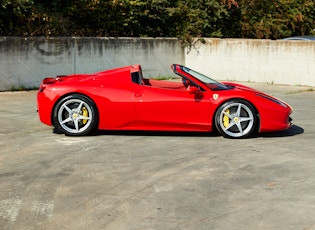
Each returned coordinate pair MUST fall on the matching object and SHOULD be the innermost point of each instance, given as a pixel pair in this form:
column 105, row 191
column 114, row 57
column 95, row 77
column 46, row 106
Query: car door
column 167, row 109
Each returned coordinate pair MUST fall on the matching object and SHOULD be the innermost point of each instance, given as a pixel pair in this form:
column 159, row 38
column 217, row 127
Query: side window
column 136, row 78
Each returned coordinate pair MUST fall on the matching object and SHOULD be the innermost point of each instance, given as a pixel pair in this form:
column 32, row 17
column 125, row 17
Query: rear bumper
column 45, row 102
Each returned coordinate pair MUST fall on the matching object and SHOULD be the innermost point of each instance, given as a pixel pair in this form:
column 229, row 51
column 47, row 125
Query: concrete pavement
column 148, row 180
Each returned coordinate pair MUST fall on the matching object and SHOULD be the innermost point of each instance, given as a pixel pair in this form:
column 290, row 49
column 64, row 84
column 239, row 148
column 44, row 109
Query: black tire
column 75, row 115
column 236, row 119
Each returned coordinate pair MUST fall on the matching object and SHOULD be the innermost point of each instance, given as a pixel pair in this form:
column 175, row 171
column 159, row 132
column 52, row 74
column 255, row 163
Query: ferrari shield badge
column 215, row 96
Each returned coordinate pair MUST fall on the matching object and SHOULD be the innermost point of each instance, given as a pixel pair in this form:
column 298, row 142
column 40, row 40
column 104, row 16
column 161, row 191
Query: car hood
column 242, row 87
column 257, row 92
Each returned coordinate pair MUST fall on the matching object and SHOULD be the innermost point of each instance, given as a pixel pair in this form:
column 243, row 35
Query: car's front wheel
column 75, row 115
column 236, row 119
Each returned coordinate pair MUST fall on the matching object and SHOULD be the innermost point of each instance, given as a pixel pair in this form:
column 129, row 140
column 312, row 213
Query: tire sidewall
column 240, row 101
column 89, row 102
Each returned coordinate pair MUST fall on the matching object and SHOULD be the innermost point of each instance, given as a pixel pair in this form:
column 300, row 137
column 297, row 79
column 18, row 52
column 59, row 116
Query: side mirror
column 193, row 90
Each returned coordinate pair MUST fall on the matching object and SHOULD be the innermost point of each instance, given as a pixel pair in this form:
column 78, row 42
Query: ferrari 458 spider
column 122, row 99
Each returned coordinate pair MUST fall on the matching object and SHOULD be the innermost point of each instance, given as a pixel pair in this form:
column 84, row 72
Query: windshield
column 212, row 84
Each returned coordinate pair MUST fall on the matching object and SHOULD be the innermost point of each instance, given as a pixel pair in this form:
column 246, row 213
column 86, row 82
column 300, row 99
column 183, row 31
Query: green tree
column 184, row 19
column 13, row 13
column 275, row 19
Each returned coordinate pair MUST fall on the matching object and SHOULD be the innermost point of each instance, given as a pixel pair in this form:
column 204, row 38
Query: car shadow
column 292, row 131
column 155, row 133
column 146, row 133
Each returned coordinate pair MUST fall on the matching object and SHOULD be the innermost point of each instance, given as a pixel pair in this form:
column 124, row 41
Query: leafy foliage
column 277, row 18
column 270, row 19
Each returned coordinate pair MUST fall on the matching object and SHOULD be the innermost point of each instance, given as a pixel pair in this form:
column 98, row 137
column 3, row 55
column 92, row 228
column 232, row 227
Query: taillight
column 49, row 80
column 45, row 82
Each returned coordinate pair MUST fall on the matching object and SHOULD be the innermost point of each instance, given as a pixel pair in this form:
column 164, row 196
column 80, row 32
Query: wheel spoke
column 228, row 114
column 242, row 119
column 76, row 124
column 238, row 112
column 66, row 120
column 238, row 125
column 230, row 125
column 78, row 109
column 67, row 108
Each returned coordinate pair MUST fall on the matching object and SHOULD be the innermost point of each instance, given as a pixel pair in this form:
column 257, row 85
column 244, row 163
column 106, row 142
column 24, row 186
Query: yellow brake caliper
column 226, row 119
column 85, row 113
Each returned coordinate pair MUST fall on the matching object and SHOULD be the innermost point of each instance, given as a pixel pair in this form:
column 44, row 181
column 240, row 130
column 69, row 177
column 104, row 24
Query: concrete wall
column 267, row 61
column 26, row 61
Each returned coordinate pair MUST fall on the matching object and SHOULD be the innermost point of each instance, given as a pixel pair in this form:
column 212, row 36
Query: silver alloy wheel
column 75, row 116
column 236, row 119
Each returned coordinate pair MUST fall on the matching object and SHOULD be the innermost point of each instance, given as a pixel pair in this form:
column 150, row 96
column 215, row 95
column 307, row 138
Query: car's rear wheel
column 75, row 115
column 236, row 119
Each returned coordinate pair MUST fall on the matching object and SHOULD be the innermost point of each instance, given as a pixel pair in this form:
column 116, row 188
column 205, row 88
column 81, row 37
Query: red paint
column 165, row 105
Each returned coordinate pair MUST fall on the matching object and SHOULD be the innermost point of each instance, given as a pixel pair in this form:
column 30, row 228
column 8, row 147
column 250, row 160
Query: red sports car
column 122, row 99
